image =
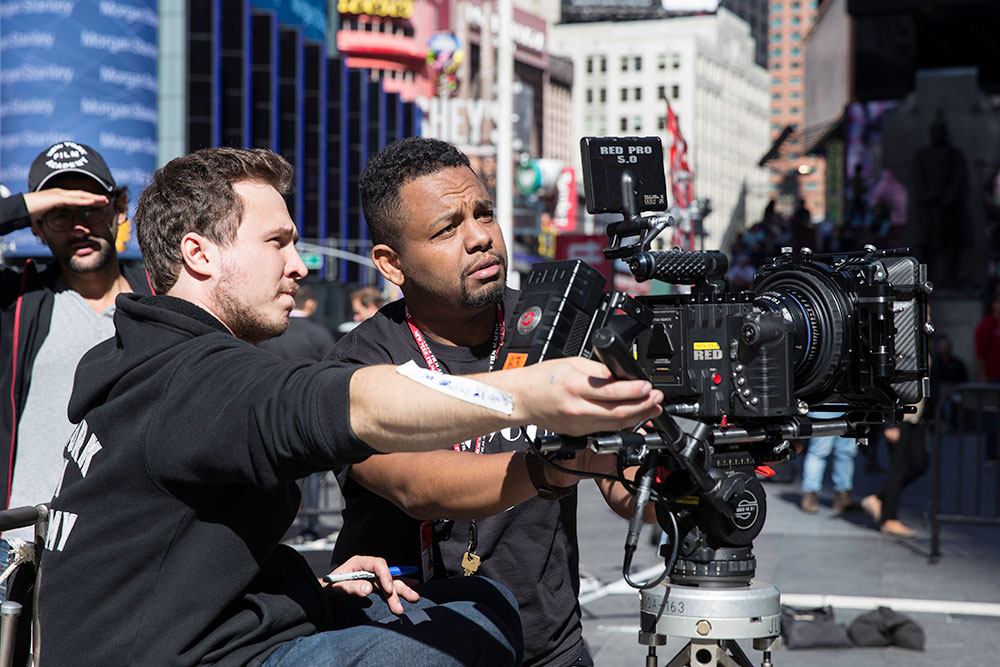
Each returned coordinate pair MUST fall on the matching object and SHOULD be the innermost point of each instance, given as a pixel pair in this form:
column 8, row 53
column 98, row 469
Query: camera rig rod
column 610, row 443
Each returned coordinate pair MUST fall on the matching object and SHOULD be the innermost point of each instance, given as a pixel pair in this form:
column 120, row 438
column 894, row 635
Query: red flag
column 680, row 172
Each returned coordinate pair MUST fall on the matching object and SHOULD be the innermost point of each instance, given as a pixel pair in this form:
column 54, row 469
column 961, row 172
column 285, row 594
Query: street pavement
column 813, row 560
column 821, row 559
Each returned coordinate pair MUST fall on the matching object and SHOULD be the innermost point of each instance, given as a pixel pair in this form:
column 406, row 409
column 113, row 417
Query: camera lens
column 817, row 310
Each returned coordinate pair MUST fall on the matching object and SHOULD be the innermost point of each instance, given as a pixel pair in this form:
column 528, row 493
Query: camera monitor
column 607, row 159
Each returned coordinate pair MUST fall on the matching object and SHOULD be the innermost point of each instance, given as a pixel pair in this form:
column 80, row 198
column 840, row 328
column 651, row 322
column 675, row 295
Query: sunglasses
column 64, row 218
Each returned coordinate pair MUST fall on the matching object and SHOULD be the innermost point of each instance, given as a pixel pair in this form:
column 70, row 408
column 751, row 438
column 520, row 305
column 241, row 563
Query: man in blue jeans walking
column 814, row 468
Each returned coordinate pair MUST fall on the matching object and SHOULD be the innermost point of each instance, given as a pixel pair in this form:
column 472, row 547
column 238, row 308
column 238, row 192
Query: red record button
column 716, row 378
column 527, row 318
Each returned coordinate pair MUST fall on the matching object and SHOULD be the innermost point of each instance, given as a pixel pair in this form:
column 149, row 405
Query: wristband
column 536, row 473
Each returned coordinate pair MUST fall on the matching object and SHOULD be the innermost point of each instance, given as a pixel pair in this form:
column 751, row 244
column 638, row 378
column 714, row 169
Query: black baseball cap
column 69, row 157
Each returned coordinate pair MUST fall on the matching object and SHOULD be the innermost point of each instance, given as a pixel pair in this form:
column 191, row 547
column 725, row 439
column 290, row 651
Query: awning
column 802, row 142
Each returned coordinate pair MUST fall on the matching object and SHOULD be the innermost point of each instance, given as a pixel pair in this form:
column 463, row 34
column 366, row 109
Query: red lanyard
column 429, row 358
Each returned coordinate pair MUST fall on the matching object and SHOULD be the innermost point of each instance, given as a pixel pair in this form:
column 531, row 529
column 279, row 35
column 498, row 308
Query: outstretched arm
column 575, row 396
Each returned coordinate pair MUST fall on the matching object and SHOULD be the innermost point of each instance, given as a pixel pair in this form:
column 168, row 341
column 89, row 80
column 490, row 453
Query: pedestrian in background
column 987, row 340
column 908, row 460
column 843, row 451
column 365, row 302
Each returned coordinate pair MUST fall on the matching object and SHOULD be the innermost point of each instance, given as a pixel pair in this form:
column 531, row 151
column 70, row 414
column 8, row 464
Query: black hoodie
column 164, row 539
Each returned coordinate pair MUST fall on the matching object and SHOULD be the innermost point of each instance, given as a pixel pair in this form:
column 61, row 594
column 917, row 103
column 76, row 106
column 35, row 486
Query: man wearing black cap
column 53, row 312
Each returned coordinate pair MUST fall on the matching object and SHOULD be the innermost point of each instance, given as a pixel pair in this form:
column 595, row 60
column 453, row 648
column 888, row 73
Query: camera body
column 844, row 331
column 817, row 332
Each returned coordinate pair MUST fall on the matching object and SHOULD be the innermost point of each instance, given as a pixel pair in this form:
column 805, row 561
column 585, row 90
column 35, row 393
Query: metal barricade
column 17, row 639
column 965, row 476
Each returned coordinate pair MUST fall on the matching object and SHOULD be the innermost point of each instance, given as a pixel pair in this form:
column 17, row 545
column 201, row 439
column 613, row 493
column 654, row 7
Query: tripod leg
column 738, row 658
column 682, row 659
column 700, row 653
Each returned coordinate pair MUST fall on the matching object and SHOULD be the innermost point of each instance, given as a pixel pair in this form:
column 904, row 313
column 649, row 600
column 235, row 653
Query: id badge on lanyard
column 470, row 560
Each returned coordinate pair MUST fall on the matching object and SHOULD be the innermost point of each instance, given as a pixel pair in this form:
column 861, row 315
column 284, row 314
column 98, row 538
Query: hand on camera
column 577, row 396
column 389, row 588
column 585, row 461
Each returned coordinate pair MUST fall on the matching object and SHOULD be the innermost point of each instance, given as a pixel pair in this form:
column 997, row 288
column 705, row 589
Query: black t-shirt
column 531, row 548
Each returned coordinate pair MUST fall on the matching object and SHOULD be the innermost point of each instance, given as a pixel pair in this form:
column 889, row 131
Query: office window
column 776, row 81
column 775, row 53
column 602, row 126
column 638, row 63
column 661, row 122
column 637, row 124
column 795, row 51
column 588, row 125
column 675, row 60
column 795, row 20
column 776, row 7
column 624, row 95
column 796, row 64
column 793, row 110
column 776, row 23
column 661, row 93
column 775, row 126
column 775, row 65
column 638, row 94
column 590, row 95
column 590, row 65
column 775, row 111
column 604, row 95
column 775, row 96
column 812, row 185
column 793, row 96
column 624, row 124
column 796, row 36
column 675, row 91
column 794, row 80
column 796, row 6
column 775, row 36
column 661, row 61
column 624, row 63
column 604, row 64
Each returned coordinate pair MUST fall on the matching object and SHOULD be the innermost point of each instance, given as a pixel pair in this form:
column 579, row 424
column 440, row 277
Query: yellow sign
column 547, row 243
column 706, row 346
column 400, row 9
column 124, row 235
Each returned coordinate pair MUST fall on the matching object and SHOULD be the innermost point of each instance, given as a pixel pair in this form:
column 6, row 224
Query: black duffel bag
column 812, row 628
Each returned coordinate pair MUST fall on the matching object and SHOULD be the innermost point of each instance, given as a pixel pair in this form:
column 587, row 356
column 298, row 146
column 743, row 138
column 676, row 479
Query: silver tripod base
column 712, row 618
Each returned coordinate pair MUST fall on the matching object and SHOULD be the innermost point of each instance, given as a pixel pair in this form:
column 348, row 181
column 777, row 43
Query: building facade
column 794, row 175
column 625, row 72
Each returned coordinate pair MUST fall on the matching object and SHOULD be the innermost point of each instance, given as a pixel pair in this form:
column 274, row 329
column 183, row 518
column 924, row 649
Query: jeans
column 843, row 450
column 456, row 622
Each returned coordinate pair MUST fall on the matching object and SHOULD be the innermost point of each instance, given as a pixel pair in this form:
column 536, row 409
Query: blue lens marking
column 805, row 316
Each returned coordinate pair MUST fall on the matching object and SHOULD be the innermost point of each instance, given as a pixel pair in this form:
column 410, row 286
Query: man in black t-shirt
column 509, row 517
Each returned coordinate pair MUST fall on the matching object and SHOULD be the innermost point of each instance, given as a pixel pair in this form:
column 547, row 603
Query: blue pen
column 395, row 571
